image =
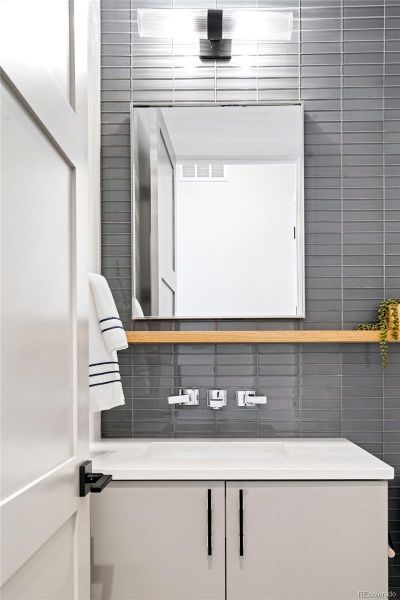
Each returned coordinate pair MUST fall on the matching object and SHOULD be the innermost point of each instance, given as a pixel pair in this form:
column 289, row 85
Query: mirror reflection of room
column 218, row 212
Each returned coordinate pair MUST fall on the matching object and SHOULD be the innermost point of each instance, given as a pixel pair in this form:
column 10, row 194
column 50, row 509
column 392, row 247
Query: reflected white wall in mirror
column 218, row 212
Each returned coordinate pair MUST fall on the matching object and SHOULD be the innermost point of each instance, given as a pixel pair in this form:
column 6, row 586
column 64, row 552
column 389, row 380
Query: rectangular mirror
column 217, row 211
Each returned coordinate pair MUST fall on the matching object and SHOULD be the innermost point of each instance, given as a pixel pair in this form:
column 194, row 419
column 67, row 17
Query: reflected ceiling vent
column 202, row 172
column 188, row 172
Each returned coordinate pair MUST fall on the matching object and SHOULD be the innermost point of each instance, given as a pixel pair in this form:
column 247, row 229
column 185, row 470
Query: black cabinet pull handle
column 241, row 511
column 209, row 523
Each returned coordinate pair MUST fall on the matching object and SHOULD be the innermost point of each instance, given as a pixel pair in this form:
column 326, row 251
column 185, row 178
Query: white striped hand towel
column 106, row 336
column 109, row 321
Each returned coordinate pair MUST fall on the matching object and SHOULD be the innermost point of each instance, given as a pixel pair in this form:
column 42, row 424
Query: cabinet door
column 150, row 541
column 306, row 540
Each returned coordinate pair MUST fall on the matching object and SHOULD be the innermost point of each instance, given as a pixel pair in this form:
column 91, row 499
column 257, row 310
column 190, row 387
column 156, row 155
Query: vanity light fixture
column 215, row 28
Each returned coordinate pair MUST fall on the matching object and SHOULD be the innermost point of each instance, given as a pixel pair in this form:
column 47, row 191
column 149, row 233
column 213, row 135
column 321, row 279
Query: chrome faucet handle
column 217, row 398
column 249, row 398
column 186, row 397
column 181, row 399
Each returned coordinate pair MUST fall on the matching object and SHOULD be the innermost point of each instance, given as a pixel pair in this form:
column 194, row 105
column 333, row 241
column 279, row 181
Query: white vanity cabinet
column 271, row 540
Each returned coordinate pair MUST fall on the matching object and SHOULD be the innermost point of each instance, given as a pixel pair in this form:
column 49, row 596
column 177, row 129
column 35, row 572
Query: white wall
column 236, row 253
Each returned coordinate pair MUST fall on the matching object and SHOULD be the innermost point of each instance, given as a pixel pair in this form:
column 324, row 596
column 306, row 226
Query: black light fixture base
column 216, row 49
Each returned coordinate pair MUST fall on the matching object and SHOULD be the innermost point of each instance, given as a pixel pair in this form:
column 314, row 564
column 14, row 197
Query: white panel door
column 44, row 237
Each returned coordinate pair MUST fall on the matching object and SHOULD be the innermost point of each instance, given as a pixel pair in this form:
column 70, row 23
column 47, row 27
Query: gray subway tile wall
column 343, row 62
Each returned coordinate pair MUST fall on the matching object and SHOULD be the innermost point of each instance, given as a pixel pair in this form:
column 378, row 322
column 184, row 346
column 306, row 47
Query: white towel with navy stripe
column 106, row 337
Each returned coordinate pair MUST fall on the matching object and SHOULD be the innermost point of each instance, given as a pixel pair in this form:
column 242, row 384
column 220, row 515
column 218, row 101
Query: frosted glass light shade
column 178, row 24
column 257, row 25
column 189, row 25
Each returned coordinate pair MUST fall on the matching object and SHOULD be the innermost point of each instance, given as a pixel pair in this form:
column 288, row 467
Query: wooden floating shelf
column 255, row 337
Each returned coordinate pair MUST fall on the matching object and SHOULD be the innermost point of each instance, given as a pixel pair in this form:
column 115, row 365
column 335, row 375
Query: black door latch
column 91, row 482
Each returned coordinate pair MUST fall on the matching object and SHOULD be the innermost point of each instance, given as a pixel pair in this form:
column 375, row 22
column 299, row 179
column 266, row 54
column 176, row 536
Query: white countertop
column 230, row 459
